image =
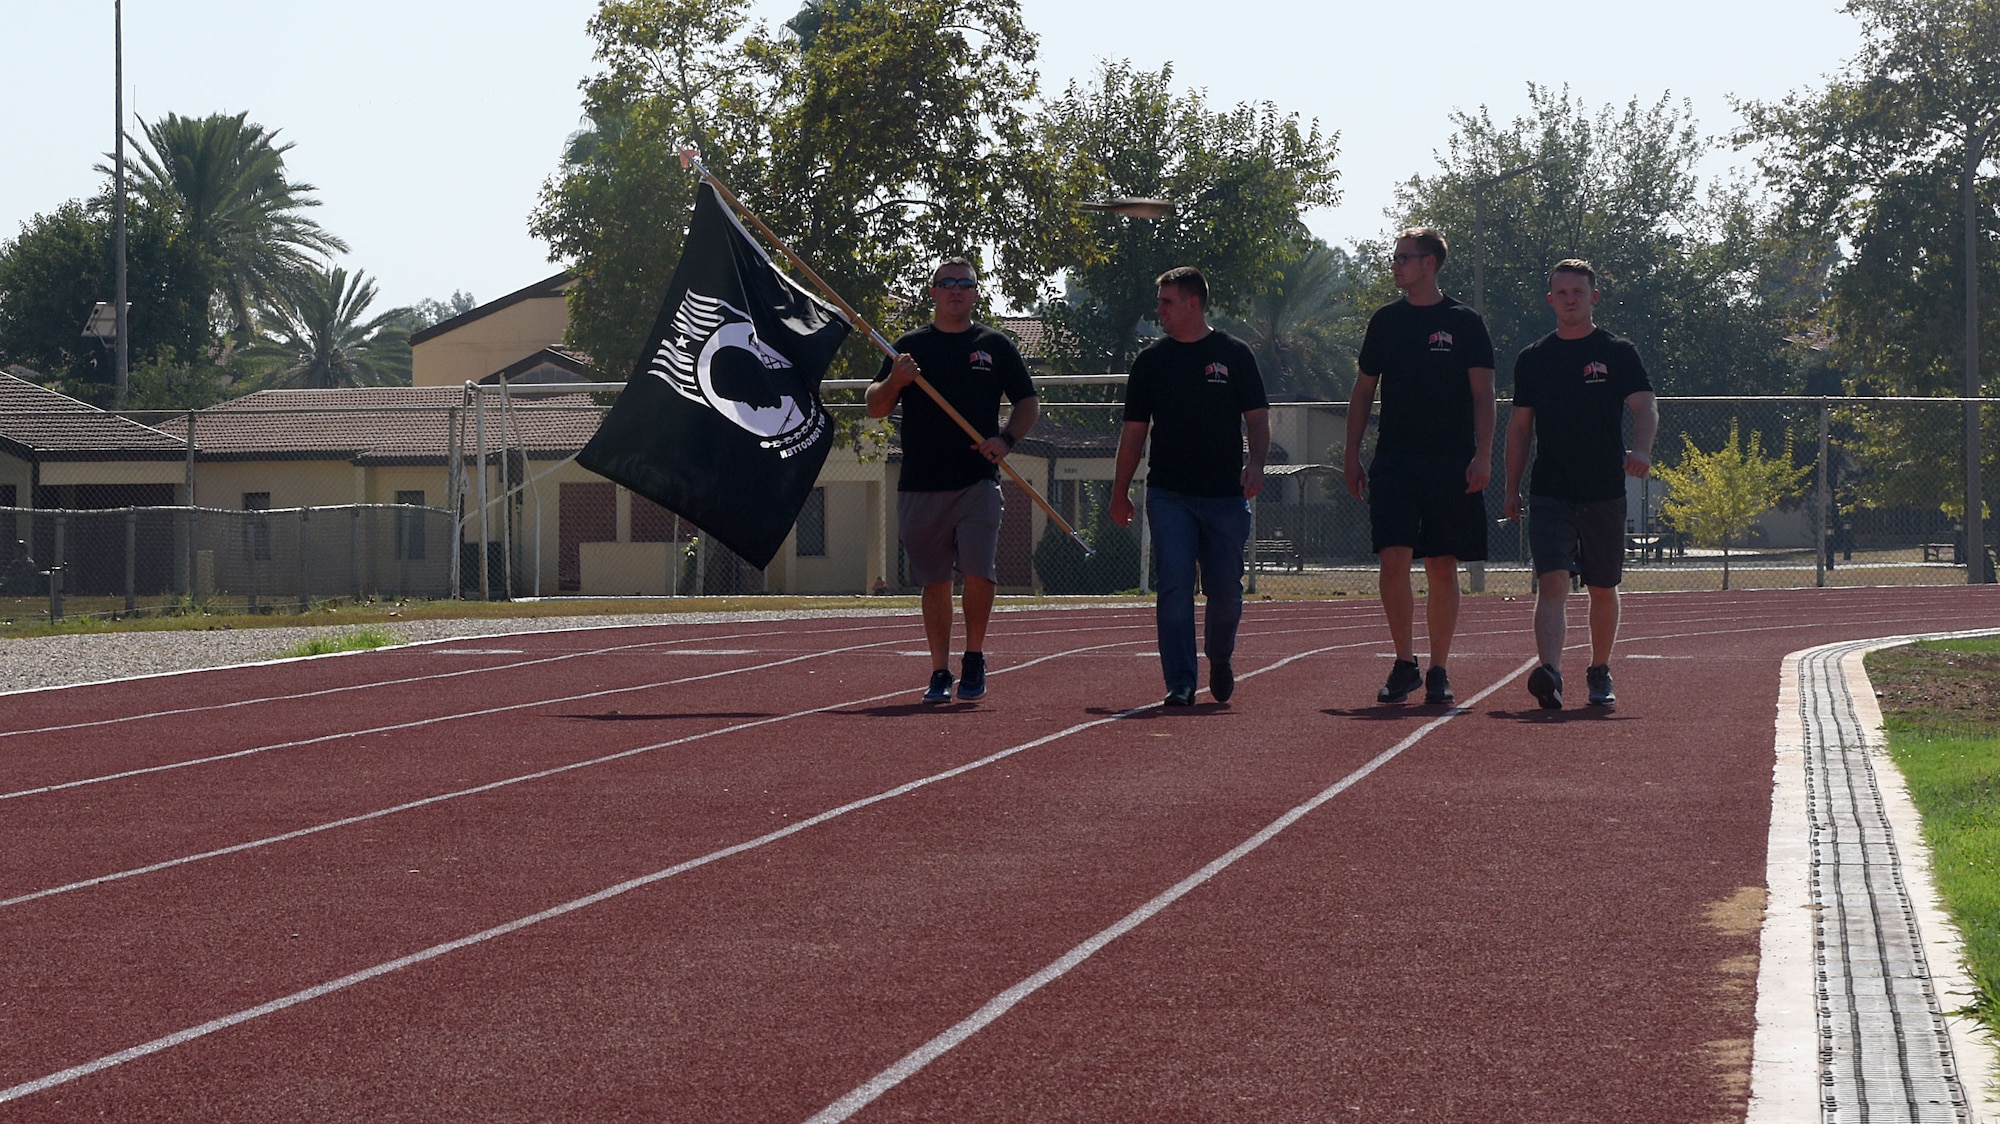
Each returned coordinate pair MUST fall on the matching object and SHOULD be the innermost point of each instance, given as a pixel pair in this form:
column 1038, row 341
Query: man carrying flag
column 721, row 420
column 948, row 502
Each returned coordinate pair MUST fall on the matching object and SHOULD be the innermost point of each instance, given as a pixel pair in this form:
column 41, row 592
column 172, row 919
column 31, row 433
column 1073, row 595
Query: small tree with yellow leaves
column 1715, row 497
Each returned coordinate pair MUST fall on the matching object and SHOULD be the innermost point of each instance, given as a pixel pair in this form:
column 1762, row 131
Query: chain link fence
column 286, row 499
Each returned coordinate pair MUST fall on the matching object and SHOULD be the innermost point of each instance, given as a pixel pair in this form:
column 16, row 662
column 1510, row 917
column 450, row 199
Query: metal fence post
column 131, row 558
column 454, row 502
column 56, row 573
column 1251, row 547
column 305, row 574
column 485, row 531
column 354, row 551
column 1824, row 490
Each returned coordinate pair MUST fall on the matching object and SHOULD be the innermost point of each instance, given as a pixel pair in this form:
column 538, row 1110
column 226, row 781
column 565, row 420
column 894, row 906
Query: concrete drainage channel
column 1852, row 911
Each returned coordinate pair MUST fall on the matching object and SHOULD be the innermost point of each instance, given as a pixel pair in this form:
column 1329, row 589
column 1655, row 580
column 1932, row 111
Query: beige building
column 483, row 341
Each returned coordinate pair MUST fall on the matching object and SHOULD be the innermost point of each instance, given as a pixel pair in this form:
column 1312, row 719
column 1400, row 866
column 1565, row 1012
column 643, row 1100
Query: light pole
column 118, row 304
column 1477, row 570
column 1479, row 187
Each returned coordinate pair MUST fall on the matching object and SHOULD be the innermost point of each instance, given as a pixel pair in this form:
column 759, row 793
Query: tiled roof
column 37, row 423
column 380, row 424
column 1032, row 335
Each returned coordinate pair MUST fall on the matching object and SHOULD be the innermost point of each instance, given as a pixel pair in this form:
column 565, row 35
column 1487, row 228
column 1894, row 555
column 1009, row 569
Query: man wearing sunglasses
column 1426, row 486
column 948, row 504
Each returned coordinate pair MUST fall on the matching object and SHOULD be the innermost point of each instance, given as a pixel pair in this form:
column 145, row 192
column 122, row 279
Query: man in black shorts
column 1433, row 454
column 1571, row 388
column 1199, row 394
column 948, row 504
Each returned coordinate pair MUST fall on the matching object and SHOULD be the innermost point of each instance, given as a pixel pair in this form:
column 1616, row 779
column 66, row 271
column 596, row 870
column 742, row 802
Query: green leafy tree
column 223, row 178
column 889, row 136
column 1306, row 326
column 60, row 266
column 430, row 310
column 1680, row 266
column 1715, row 497
column 1888, row 160
column 320, row 339
column 1241, row 179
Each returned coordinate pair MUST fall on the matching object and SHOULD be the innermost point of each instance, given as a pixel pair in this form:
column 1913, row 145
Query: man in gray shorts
column 1571, row 390
column 948, row 497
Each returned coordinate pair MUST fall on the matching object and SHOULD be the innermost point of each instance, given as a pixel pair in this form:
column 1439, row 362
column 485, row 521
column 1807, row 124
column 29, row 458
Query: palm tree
column 1305, row 327
column 225, row 179
column 318, row 332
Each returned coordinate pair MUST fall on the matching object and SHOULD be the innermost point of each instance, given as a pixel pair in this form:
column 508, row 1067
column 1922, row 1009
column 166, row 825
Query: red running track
column 735, row 872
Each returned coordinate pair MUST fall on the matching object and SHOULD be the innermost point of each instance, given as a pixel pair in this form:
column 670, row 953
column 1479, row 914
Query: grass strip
column 1941, row 708
column 353, row 640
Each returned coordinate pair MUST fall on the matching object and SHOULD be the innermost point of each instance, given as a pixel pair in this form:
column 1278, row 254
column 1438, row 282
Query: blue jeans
column 1193, row 533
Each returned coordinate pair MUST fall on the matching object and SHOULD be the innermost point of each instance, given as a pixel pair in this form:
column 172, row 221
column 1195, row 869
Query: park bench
column 1941, row 552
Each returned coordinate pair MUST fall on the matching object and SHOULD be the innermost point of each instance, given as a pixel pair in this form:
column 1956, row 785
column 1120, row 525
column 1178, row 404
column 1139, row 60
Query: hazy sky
column 429, row 125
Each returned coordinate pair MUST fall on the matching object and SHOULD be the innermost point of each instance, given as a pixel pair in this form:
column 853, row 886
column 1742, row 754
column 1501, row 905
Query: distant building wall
column 482, row 346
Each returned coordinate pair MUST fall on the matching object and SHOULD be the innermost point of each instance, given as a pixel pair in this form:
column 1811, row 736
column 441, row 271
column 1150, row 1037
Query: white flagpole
column 691, row 159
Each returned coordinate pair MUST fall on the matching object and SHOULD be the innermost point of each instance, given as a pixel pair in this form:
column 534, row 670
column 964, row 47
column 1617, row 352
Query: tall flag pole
column 692, row 159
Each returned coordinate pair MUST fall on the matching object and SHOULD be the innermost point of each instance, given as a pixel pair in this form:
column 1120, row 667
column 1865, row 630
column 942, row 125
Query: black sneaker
column 972, row 677
column 1403, row 678
column 1546, row 684
column 1437, row 688
column 1221, row 680
column 1599, row 677
column 1179, row 696
column 940, row 688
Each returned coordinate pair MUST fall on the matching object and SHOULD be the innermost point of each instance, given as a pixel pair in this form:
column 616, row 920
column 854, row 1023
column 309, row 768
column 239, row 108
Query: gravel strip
column 32, row 663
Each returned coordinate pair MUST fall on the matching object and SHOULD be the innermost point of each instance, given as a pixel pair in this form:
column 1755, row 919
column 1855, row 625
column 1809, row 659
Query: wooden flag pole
column 691, row 159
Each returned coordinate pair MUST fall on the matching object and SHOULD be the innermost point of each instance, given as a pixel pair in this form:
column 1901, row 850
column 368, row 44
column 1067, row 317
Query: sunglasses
column 954, row 283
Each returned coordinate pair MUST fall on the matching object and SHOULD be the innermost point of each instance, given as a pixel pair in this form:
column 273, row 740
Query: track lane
column 1643, row 681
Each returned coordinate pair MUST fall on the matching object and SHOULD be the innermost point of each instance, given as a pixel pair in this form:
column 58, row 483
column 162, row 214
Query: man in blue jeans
column 1197, row 392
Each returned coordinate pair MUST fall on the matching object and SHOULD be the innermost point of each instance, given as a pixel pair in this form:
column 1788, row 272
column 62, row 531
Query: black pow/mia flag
column 721, row 420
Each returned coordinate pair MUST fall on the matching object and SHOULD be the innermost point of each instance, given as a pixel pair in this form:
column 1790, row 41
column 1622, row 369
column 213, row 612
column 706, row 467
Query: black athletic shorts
column 1421, row 503
column 1583, row 538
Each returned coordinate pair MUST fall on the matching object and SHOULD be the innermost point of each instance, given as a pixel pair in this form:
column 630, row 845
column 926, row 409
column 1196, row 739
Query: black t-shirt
column 1421, row 353
column 1577, row 389
column 972, row 369
column 1194, row 395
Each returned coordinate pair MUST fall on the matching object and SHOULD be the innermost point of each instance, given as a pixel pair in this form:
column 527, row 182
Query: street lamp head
column 103, row 322
column 1129, row 206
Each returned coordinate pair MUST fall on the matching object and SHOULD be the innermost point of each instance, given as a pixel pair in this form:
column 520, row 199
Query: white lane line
column 190, row 1034
column 322, row 693
column 1000, row 1004
column 431, row 721
column 439, row 798
column 235, row 703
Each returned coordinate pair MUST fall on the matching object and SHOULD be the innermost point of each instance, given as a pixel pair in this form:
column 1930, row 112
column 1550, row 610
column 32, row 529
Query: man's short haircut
column 971, row 268
column 1577, row 266
column 1429, row 239
column 1188, row 280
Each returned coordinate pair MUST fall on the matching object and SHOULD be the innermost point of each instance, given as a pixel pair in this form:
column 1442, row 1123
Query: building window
column 812, row 525
column 7, row 496
column 410, row 527
column 260, row 525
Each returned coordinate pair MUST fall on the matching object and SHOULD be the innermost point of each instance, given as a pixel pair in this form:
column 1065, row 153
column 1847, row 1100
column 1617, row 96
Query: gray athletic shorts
column 946, row 529
column 1583, row 538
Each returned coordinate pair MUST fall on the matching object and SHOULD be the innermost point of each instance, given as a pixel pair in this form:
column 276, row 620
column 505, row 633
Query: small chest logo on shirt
column 1217, row 372
column 981, row 360
column 1595, row 372
column 1440, row 341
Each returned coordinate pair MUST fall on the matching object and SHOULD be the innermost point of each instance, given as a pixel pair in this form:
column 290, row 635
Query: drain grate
column 1885, row 1052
